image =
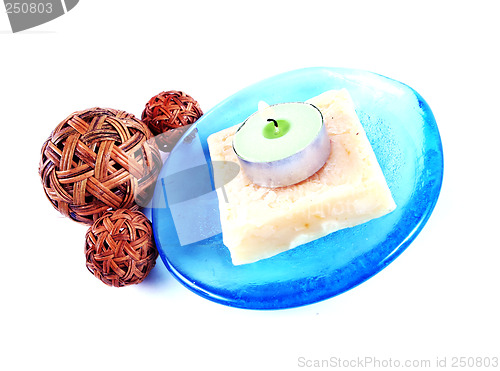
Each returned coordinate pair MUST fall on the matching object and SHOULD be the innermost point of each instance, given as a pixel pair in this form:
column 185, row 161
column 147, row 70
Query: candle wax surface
column 298, row 125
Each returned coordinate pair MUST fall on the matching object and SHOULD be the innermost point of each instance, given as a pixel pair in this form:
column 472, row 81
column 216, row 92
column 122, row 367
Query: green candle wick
column 275, row 128
column 275, row 123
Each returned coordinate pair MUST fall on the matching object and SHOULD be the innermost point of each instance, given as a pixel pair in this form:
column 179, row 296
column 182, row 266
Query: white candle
column 282, row 144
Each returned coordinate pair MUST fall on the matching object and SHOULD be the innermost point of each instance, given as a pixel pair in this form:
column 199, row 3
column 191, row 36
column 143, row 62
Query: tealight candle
column 282, row 144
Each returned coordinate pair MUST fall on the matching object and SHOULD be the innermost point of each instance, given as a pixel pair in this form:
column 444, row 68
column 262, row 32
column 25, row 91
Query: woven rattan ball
column 96, row 160
column 119, row 248
column 166, row 113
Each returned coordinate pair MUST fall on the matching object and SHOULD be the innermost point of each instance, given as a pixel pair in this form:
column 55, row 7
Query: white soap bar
column 259, row 222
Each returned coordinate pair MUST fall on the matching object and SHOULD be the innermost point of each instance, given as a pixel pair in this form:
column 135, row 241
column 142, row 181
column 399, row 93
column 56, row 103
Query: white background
column 440, row 298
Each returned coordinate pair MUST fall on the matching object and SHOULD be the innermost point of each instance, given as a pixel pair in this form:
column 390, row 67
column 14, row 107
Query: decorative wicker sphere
column 119, row 248
column 168, row 111
column 96, row 160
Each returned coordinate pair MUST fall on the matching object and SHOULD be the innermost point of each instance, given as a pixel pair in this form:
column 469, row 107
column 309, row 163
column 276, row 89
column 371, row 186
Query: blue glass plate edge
column 199, row 290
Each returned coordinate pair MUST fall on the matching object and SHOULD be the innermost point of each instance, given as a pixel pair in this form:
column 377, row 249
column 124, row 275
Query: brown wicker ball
column 96, row 160
column 119, row 248
column 168, row 111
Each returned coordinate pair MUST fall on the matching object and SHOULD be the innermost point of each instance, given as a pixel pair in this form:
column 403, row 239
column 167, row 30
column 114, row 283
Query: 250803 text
column 28, row 8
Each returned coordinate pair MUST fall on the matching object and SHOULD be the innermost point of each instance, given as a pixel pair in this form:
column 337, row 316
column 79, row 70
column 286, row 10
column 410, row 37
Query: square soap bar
column 350, row 189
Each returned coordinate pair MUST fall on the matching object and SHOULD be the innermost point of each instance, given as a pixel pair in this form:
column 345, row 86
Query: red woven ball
column 168, row 111
column 96, row 160
column 119, row 248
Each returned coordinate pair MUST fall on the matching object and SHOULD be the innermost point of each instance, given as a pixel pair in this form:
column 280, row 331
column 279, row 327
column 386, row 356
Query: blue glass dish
column 406, row 141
